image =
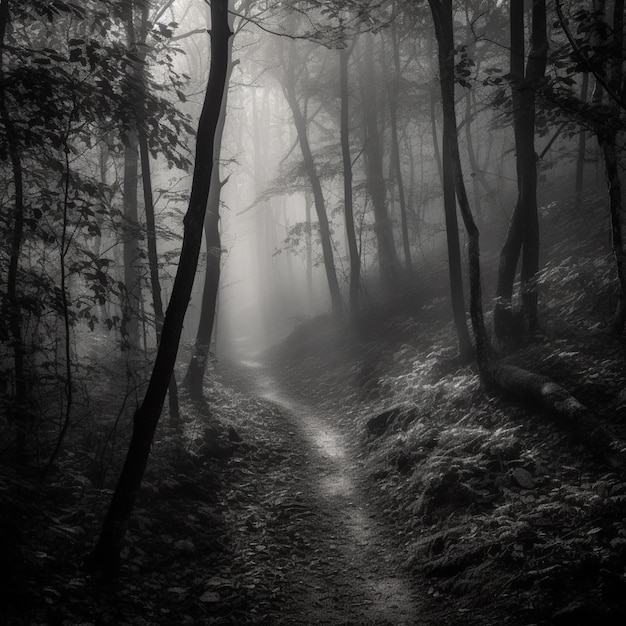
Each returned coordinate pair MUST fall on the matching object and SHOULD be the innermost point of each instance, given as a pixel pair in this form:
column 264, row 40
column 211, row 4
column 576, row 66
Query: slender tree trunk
column 14, row 314
column 202, row 348
column 607, row 139
column 308, row 202
column 153, row 263
column 105, row 556
column 353, row 249
column 394, row 94
column 446, row 47
column 442, row 17
column 607, row 143
column 582, row 142
column 153, row 256
column 316, row 185
column 387, row 257
column 131, row 304
column 457, row 298
column 524, row 225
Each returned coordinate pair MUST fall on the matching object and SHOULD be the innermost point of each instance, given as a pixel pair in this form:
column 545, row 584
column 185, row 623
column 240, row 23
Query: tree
column 201, row 350
column 353, row 250
column 387, row 256
column 523, row 233
column 442, row 16
column 12, row 302
column 300, row 122
column 394, row 94
column 602, row 55
column 105, row 556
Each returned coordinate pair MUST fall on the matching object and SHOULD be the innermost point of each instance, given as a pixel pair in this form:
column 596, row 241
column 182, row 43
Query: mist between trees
column 339, row 146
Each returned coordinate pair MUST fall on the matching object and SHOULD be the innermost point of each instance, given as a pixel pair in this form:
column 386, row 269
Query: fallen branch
column 565, row 409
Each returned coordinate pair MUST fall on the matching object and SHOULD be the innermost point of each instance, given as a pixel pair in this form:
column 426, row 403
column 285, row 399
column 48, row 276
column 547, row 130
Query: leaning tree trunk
column 523, row 232
column 353, row 249
column 155, row 283
column 105, row 556
column 202, row 347
column 146, row 183
column 446, row 75
column 605, row 129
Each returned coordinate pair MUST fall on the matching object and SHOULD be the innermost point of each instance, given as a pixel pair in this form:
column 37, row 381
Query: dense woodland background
column 410, row 213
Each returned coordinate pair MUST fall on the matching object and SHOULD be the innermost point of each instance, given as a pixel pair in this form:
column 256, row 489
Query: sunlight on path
column 385, row 595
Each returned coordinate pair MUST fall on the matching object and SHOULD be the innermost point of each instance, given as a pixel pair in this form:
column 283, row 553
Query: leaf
column 210, row 597
column 523, row 478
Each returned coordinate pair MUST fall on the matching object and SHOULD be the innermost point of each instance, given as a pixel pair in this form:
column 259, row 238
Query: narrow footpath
column 341, row 569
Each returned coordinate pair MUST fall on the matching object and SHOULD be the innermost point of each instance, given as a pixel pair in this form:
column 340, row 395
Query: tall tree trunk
column 387, row 257
column 105, row 556
column 202, row 346
column 524, row 225
column 153, row 256
column 153, row 263
column 131, row 304
column 308, row 203
column 607, row 139
column 607, row 142
column 446, row 47
column 394, row 94
column 582, row 143
column 316, row 185
column 14, row 313
column 353, row 248
column 442, row 17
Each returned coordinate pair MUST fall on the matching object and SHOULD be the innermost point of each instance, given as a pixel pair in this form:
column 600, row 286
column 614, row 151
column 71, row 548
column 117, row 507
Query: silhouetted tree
column 523, row 234
column 105, row 555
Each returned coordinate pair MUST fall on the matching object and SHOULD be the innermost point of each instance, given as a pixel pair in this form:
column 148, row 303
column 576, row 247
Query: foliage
column 70, row 110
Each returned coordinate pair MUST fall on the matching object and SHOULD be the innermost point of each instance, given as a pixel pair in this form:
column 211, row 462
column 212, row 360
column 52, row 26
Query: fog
column 272, row 265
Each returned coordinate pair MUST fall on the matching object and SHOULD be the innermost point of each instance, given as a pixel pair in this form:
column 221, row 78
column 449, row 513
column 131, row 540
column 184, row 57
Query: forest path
column 342, row 569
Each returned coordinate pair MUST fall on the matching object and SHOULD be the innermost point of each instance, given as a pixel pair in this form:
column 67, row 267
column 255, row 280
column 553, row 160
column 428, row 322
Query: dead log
column 565, row 409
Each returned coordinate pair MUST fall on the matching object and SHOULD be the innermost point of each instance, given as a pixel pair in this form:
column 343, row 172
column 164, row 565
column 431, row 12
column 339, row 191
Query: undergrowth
column 502, row 516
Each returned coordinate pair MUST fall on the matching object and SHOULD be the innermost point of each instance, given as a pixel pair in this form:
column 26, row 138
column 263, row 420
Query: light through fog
column 272, row 265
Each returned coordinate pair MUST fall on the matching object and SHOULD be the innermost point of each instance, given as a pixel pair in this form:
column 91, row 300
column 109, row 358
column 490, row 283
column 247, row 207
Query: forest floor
column 351, row 480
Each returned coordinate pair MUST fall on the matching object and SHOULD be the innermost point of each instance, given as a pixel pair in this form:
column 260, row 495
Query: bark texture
column 11, row 307
column 387, row 256
column 105, row 556
column 202, row 347
column 348, row 211
column 455, row 187
column 523, row 234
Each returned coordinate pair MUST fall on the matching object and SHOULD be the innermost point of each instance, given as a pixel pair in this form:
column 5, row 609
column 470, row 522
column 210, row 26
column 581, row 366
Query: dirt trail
column 351, row 575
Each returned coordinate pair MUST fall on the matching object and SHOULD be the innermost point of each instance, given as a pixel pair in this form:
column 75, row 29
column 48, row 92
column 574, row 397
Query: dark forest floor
column 297, row 496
